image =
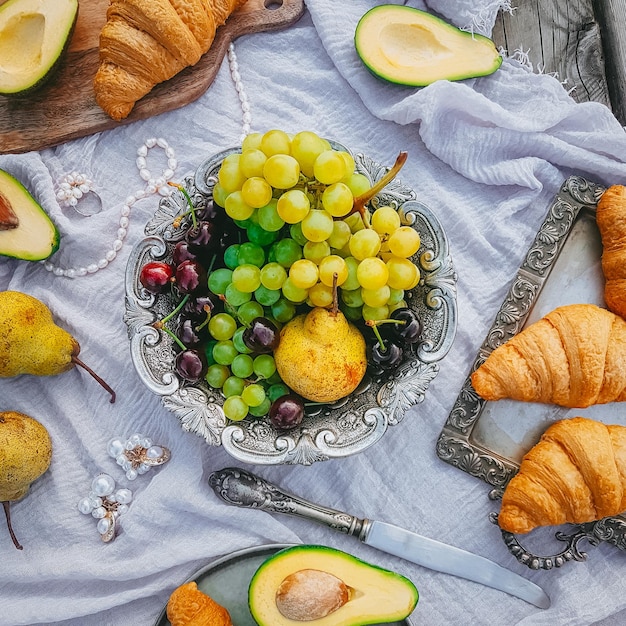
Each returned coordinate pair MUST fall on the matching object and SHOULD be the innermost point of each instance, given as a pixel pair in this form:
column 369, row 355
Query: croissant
column 575, row 474
column 145, row 42
column 611, row 220
column 573, row 357
column 188, row 606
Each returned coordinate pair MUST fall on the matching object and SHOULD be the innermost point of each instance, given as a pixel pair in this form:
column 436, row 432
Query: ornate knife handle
column 242, row 488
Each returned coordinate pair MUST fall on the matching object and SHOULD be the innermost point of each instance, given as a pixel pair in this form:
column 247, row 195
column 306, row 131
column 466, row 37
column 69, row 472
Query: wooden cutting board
column 66, row 108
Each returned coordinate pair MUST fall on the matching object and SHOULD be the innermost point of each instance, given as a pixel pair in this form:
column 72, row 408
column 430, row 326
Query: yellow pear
column 25, row 454
column 321, row 355
column 31, row 343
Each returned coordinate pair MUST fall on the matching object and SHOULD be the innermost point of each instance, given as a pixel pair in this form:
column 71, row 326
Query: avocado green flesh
column 411, row 47
column 34, row 34
column 35, row 237
column 377, row 595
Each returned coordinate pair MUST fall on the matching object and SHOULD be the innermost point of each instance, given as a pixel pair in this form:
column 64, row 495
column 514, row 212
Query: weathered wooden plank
column 564, row 38
column 611, row 15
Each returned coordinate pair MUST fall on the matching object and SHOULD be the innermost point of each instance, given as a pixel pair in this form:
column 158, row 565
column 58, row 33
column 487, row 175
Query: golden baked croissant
column 145, row 42
column 573, row 357
column 611, row 220
column 575, row 474
column 188, row 606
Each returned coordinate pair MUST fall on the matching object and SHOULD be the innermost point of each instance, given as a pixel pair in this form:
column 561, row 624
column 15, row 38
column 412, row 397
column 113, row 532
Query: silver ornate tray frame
column 460, row 442
column 344, row 428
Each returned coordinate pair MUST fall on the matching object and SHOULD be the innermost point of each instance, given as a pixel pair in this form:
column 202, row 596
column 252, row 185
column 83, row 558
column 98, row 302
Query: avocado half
column 26, row 231
column 410, row 47
column 375, row 595
column 34, row 35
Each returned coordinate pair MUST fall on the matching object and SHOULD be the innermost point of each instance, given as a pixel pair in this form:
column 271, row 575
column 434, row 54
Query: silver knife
column 242, row 488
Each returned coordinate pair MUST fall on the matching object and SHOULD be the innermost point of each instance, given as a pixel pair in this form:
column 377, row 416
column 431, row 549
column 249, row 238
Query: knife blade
column 242, row 488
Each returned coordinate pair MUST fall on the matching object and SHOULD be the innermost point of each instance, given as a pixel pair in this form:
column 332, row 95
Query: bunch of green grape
column 294, row 196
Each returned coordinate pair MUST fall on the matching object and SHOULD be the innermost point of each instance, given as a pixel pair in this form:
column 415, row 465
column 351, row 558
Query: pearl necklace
column 153, row 185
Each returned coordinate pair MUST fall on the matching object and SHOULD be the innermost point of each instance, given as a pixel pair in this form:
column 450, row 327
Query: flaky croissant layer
column 611, row 220
column 576, row 474
column 573, row 357
column 145, row 42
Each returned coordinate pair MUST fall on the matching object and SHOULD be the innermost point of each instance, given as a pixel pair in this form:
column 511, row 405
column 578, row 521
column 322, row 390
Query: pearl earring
column 105, row 504
column 137, row 454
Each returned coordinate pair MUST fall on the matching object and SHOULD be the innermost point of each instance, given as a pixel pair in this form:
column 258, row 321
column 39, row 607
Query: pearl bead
column 92, row 268
column 99, row 512
column 123, row 508
column 145, row 174
column 151, row 142
column 124, row 496
column 142, row 150
column 70, row 273
column 84, row 506
column 110, row 255
column 154, row 452
column 162, row 143
column 104, row 525
column 57, row 271
column 103, row 485
column 117, row 245
column 115, row 447
column 102, row 263
column 131, row 474
column 81, row 271
column 121, row 233
column 124, row 222
column 172, row 163
column 141, row 162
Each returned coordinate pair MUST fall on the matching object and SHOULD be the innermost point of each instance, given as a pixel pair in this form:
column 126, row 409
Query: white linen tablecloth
column 486, row 155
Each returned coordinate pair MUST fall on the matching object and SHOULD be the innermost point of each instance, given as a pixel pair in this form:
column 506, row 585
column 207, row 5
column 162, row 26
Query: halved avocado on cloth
column 26, row 231
column 374, row 595
column 411, row 47
column 34, row 35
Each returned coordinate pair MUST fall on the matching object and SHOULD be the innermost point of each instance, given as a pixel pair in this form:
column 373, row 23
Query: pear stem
column 7, row 512
column 335, row 308
column 360, row 201
column 77, row 361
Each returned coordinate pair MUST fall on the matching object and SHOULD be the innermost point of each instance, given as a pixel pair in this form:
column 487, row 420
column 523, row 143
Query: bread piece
column 573, row 357
column 611, row 220
column 576, row 473
column 145, row 42
column 188, row 606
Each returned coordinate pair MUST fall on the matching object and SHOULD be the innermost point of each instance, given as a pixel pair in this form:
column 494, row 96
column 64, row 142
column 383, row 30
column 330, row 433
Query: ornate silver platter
column 328, row 431
column 488, row 439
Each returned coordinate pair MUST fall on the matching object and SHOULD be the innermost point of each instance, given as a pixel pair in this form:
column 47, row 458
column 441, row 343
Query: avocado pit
column 310, row 594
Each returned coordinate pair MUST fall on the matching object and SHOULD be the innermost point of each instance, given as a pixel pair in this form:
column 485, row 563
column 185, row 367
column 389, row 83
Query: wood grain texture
column 66, row 108
column 582, row 41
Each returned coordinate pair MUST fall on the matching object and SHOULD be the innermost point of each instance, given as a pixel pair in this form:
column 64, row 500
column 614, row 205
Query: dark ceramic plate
column 226, row 580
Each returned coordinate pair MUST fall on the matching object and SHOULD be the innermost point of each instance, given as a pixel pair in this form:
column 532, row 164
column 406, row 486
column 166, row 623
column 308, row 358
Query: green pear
column 31, row 343
column 25, row 454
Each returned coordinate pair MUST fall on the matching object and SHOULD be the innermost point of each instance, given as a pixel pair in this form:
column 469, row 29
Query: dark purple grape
column 156, row 276
column 189, row 335
column 183, row 252
column 388, row 357
column 286, row 412
column 190, row 365
column 261, row 336
column 191, row 277
column 411, row 330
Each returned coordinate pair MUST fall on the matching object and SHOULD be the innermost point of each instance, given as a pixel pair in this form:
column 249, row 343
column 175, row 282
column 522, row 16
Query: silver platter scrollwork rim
column 455, row 445
column 346, row 427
